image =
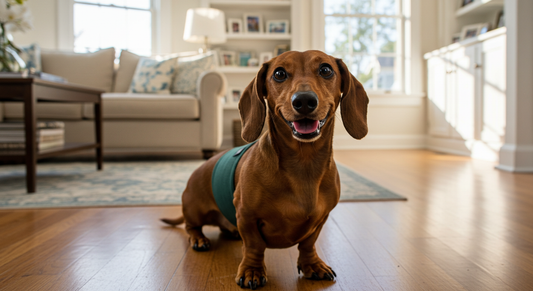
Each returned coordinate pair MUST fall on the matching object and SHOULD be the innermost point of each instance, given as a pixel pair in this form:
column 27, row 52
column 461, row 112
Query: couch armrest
column 211, row 89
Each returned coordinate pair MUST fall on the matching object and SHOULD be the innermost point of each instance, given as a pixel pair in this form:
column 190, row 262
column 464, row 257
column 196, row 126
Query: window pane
column 386, row 35
column 335, row 7
column 141, row 4
column 387, row 7
column 362, row 67
column 101, row 27
column 361, row 31
column 360, row 6
column 386, row 73
column 336, row 31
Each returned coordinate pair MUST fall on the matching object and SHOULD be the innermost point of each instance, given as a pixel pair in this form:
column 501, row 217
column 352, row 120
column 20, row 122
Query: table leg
column 98, row 130
column 30, row 124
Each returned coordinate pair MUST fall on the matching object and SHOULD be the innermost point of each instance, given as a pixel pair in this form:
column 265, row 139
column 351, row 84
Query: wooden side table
column 33, row 90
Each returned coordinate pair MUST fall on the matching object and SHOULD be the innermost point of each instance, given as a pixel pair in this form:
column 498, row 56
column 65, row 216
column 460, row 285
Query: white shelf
column 480, row 7
column 238, row 70
column 259, row 36
column 241, row 3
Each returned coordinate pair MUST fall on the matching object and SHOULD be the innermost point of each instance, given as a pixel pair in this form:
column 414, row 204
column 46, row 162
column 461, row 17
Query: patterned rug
column 132, row 183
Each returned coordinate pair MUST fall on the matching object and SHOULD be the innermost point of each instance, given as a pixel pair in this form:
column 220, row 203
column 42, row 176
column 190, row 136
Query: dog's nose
column 304, row 102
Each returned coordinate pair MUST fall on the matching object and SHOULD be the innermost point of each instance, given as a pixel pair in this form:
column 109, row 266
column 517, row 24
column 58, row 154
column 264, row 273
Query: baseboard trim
column 399, row 141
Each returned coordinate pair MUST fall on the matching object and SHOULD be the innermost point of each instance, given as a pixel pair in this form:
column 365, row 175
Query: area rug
column 132, row 183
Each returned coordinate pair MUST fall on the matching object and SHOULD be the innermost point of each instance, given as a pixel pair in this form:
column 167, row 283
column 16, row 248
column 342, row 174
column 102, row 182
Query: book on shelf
column 39, row 125
column 48, row 134
column 40, row 75
column 9, row 146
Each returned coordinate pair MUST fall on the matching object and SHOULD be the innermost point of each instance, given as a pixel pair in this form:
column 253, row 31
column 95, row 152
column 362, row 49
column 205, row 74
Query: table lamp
column 205, row 25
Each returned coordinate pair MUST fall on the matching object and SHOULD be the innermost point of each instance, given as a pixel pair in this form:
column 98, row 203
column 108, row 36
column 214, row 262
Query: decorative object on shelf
column 14, row 16
column 204, row 25
column 253, row 23
column 466, row 2
column 474, row 30
column 281, row 48
column 243, row 58
column 277, row 26
column 234, row 26
column 500, row 20
column 227, row 58
column 456, row 37
column 265, row 57
column 253, row 62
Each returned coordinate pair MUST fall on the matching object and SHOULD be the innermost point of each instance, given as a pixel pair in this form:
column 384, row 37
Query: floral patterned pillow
column 189, row 69
column 31, row 55
column 153, row 76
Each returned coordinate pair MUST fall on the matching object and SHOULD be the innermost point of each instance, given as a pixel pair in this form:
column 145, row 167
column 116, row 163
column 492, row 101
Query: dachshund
column 286, row 183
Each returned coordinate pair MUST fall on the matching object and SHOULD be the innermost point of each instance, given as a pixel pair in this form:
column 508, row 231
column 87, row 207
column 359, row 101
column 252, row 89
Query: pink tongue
column 306, row 126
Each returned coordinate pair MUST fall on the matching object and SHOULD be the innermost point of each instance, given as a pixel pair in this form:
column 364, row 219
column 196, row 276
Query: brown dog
column 287, row 183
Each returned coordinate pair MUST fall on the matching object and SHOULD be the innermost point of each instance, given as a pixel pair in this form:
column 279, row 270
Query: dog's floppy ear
column 252, row 106
column 354, row 103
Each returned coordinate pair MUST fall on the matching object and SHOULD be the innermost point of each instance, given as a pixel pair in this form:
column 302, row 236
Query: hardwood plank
column 465, row 226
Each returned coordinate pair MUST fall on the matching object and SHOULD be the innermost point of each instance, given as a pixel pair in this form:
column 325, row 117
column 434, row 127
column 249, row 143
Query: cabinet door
column 462, row 99
column 438, row 125
column 493, row 89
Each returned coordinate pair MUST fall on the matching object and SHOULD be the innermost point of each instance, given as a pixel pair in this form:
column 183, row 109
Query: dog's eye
column 325, row 71
column 280, row 75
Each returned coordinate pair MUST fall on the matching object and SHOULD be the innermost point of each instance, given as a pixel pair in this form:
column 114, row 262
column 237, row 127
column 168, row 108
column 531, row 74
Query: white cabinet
column 466, row 92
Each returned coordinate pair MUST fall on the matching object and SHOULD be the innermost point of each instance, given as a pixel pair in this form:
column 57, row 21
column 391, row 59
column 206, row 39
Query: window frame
column 161, row 23
column 401, row 54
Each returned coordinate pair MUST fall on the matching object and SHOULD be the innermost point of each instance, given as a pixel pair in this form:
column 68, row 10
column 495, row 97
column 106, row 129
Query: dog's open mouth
column 306, row 128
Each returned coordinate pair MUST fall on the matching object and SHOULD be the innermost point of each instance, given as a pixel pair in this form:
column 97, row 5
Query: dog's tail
column 173, row 222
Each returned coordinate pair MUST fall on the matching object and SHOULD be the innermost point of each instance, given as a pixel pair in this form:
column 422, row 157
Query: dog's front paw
column 317, row 271
column 249, row 277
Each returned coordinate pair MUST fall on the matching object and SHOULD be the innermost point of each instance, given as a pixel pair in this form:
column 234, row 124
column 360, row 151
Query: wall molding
column 381, row 141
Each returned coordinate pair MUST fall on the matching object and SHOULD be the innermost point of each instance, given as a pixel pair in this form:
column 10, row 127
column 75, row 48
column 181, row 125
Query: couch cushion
column 126, row 69
column 14, row 110
column 89, row 69
column 146, row 106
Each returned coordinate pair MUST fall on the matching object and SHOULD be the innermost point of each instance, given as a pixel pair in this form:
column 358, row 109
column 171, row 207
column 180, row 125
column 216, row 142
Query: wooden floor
column 466, row 226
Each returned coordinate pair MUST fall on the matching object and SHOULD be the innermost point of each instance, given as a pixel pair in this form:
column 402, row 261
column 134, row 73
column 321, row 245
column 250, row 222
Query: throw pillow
column 189, row 69
column 31, row 55
column 126, row 69
column 153, row 76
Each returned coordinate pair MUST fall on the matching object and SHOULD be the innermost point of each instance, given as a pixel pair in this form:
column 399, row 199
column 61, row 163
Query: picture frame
column 281, row 48
column 280, row 26
column 228, row 58
column 472, row 30
column 253, row 23
column 243, row 58
column 265, row 57
column 234, row 95
column 235, row 26
column 466, row 2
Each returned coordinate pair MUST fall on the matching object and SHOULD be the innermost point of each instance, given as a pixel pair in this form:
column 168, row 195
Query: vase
column 10, row 61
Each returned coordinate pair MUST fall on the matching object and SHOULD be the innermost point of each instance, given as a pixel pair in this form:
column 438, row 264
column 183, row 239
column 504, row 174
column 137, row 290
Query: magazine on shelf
column 15, row 125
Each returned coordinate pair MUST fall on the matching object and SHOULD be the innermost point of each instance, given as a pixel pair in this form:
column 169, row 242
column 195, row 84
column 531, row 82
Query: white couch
column 132, row 122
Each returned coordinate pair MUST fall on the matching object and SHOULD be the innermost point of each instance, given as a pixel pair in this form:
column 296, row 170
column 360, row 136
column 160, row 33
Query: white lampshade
column 205, row 25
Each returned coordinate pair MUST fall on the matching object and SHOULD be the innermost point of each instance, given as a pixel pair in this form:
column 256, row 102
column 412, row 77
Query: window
column 367, row 35
column 122, row 24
